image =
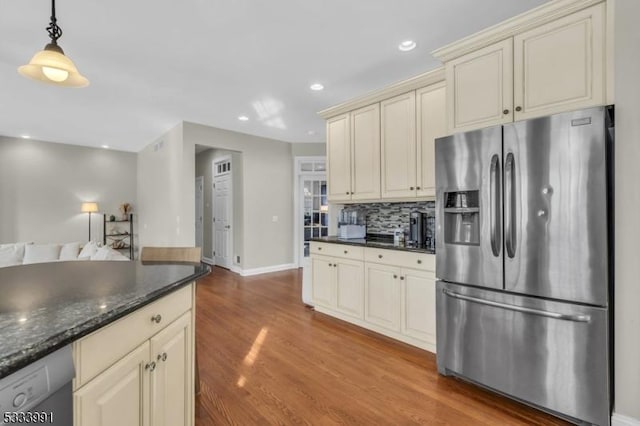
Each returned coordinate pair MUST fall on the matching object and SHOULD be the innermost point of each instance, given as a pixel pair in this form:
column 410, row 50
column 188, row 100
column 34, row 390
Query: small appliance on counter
column 422, row 229
column 352, row 223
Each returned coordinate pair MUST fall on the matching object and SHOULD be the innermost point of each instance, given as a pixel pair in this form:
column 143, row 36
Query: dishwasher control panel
column 25, row 391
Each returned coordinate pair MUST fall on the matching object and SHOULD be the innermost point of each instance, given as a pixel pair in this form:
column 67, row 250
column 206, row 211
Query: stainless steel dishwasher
column 40, row 393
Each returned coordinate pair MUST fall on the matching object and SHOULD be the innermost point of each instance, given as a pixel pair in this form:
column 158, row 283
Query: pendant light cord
column 55, row 32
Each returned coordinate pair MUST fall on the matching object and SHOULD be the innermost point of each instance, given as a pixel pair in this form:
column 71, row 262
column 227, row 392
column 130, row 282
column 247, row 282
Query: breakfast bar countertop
column 46, row 306
column 363, row 242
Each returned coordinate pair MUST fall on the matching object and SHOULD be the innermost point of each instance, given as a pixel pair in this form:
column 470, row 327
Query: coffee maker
column 422, row 229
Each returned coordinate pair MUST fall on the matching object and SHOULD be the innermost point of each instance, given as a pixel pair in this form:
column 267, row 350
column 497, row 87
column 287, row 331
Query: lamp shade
column 52, row 66
column 89, row 207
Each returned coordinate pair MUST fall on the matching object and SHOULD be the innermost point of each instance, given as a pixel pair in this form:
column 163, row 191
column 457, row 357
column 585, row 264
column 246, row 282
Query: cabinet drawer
column 344, row 251
column 403, row 259
column 101, row 349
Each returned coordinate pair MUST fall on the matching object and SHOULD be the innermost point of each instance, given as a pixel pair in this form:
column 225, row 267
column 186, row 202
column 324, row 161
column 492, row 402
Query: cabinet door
column 339, row 158
column 171, row 385
column 560, row 66
column 419, row 305
column 365, row 156
column 398, row 130
column 432, row 123
column 118, row 396
column 382, row 290
column 323, row 281
column 480, row 88
column 350, row 288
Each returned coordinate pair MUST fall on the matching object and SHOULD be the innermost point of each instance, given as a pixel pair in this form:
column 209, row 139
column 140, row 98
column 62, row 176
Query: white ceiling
column 153, row 63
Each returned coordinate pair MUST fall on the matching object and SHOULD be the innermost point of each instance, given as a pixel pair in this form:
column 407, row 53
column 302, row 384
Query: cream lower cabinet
column 553, row 67
column 148, row 385
column 388, row 291
column 338, row 284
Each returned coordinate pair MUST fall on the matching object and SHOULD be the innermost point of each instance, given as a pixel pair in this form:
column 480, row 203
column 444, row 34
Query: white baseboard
column 622, row 420
column 236, row 269
column 207, row 260
column 267, row 269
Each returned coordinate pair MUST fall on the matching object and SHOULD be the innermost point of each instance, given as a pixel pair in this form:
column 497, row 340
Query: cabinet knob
column 347, row 192
column 150, row 366
column 395, row 276
column 345, row 252
column 162, row 356
column 419, row 262
column 379, row 256
column 505, row 112
column 319, row 248
column 518, row 108
column 418, row 188
column 335, row 265
column 411, row 188
column 156, row 318
column 330, row 265
column 402, row 278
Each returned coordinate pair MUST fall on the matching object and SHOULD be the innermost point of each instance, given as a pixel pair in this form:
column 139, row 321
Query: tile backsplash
column 383, row 218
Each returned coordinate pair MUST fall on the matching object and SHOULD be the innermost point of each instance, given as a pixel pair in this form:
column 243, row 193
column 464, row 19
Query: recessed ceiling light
column 25, row 136
column 243, row 118
column 407, row 45
column 316, row 87
column 105, row 146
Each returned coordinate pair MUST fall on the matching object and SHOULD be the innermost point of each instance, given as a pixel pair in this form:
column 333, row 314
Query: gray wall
column 267, row 182
column 43, row 184
column 308, row 149
column 204, row 162
column 627, row 176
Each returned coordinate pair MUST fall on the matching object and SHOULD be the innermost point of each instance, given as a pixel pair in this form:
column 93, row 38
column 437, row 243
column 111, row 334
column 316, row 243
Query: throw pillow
column 69, row 251
column 38, row 253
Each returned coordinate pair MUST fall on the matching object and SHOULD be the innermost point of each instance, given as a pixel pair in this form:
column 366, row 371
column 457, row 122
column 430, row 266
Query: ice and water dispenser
column 462, row 217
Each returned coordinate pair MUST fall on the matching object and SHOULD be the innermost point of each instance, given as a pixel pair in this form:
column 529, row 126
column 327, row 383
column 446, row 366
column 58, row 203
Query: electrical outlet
column 237, row 259
column 274, row 218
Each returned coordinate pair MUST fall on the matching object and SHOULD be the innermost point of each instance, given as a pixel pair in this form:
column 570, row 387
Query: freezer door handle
column 509, row 205
column 494, row 204
column 554, row 315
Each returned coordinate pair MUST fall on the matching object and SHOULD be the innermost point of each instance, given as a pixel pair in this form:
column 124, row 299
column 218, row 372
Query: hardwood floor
column 265, row 358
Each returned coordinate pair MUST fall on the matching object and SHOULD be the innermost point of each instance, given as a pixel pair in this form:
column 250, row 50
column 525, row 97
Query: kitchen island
column 130, row 326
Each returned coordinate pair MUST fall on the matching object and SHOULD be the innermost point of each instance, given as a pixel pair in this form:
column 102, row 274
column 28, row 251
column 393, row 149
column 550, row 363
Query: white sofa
column 27, row 253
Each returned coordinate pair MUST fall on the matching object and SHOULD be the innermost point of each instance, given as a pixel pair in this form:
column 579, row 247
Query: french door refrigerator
column 524, row 261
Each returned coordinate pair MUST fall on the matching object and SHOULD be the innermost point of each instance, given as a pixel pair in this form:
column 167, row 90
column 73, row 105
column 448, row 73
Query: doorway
column 311, row 206
column 199, row 211
column 222, row 212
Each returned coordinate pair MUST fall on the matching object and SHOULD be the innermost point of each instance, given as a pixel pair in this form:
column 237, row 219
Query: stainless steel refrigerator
column 524, row 258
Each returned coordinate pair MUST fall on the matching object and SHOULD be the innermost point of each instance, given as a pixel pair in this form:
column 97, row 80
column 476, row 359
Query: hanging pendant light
column 51, row 65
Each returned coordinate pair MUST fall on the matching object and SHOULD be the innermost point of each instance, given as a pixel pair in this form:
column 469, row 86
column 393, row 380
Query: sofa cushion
column 11, row 254
column 69, row 251
column 88, row 250
column 107, row 253
column 37, row 253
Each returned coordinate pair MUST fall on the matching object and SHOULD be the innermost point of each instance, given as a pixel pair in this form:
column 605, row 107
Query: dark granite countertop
column 46, row 306
column 367, row 243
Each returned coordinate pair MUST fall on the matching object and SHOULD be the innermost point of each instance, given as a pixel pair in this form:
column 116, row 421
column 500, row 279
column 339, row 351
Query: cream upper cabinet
column 171, row 380
column 398, row 138
column 365, row 155
column 480, row 87
column 549, row 61
column 339, row 158
column 560, row 66
column 432, row 123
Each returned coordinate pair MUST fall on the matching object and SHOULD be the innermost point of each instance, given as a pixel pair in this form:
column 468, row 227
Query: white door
column 222, row 220
column 199, row 210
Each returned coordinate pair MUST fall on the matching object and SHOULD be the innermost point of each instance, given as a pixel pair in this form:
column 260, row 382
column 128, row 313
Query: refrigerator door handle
column 494, row 204
column 554, row 315
column 509, row 205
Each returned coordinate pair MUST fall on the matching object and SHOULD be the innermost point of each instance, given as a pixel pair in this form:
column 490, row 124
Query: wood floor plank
column 266, row 359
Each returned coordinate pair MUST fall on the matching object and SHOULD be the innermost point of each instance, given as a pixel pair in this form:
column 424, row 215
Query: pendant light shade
column 51, row 65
